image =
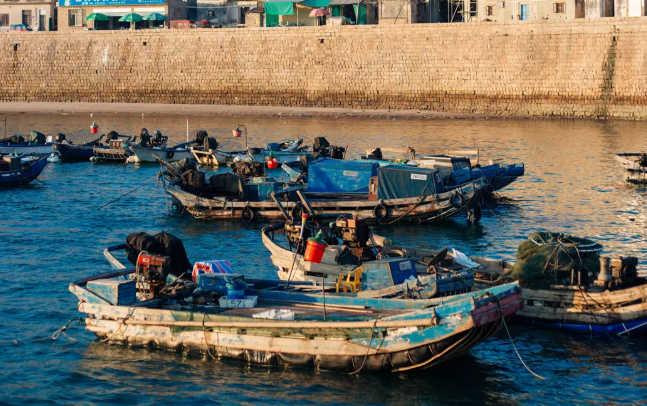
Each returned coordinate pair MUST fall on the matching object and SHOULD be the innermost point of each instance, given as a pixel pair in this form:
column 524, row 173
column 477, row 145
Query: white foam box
column 119, row 292
column 246, row 303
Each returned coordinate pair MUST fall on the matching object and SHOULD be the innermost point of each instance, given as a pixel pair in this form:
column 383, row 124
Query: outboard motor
column 210, row 143
column 145, row 138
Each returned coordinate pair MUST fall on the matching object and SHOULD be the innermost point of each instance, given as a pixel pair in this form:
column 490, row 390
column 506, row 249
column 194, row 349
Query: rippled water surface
column 54, row 232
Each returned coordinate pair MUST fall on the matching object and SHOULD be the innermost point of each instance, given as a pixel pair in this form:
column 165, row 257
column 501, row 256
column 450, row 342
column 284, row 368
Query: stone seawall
column 587, row 68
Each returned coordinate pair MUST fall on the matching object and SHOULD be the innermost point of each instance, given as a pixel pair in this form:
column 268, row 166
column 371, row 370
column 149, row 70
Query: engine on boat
column 151, row 272
column 616, row 273
column 354, row 232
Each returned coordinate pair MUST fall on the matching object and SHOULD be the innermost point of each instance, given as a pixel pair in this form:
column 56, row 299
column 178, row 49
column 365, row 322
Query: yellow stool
column 352, row 281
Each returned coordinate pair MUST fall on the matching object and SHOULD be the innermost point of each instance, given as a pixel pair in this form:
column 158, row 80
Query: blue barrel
column 236, row 287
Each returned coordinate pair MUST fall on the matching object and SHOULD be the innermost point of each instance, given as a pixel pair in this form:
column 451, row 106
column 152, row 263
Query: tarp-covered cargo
column 399, row 182
column 336, row 176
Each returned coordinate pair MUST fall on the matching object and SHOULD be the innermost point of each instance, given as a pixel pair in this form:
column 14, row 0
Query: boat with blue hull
column 20, row 170
column 333, row 187
column 35, row 143
column 271, row 324
column 611, row 300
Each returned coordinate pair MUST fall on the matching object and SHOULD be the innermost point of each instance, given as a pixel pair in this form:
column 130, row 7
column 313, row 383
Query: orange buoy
column 94, row 128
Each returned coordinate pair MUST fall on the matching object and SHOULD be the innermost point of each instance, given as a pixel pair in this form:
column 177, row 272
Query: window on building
column 489, row 10
column 4, row 20
column 559, row 8
column 76, row 18
column 177, row 12
column 26, row 17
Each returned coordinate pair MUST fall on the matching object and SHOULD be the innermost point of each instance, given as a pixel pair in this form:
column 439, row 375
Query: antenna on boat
column 187, row 129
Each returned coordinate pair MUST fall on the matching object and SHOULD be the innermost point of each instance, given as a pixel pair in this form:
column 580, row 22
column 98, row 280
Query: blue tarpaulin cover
column 336, row 176
column 399, row 182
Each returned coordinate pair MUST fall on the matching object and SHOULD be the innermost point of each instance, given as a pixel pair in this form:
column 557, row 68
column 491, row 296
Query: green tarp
column 335, row 11
column 279, row 8
column 317, row 3
column 271, row 20
column 361, row 17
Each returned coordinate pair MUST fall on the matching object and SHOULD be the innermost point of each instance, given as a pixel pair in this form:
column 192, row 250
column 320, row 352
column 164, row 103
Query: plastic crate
column 246, row 303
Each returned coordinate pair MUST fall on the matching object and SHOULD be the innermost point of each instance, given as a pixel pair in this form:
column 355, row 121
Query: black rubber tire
column 247, row 214
column 380, row 211
column 296, row 209
column 170, row 154
column 478, row 213
column 25, row 169
column 453, row 200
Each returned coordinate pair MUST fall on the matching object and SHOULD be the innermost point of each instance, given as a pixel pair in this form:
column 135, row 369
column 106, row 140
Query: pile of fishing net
column 549, row 259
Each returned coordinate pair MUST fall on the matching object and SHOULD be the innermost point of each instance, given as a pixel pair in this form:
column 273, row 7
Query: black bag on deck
column 375, row 154
column 172, row 247
column 183, row 165
column 138, row 242
column 248, row 169
column 320, row 143
column 210, row 143
column 17, row 139
column 192, row 181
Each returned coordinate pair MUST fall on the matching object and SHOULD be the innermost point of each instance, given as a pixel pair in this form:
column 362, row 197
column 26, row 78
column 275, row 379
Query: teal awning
column 316, row 3
column 279, row 8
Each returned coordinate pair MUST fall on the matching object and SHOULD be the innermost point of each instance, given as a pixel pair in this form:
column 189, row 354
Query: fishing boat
column 36, row 143
column 170, row 154
column 635, row 165
column 353, row 249
column 70, row 152
column 274, row 324
column 610, row 299
column 18, row 170
column 377, row 194
column 456, row 167
column 115, row 152
column 286, row 152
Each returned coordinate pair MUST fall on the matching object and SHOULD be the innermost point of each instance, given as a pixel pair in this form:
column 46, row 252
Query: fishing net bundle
column 548, row 258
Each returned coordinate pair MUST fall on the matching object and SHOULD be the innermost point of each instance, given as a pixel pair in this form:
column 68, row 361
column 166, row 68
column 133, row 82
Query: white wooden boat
column 169, row 154
column 632, row 162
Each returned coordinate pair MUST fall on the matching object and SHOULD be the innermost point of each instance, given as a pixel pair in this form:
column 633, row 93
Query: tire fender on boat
column 296, row 211
column 456, row 199
column 247, row 214
column 170, row 154
column 380, row 210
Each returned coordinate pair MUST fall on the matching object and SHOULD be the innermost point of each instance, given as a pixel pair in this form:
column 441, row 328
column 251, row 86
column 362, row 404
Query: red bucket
column 272, row 163
column 94, row 128
column 314, row 251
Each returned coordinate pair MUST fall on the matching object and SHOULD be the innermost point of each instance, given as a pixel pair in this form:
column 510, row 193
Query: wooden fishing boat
column 400, row 196
column 635, row 165
column 20, row 170
column 324, row 330
column 36, row 144
column 615, row 303
column 69, row 152
column 358, row 250
column 116, row 151
column 170, row 154
column 290, row 152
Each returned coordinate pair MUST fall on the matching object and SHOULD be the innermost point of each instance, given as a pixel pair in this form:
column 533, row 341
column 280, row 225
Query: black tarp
column 248, row 169
column 227, row 184
column 138, row 242
column 398, row 182
column 160, row 244
column 193, row 181
column 172, row 247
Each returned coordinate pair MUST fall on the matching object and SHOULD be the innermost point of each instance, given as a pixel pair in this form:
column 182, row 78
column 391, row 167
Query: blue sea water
column 54, row 232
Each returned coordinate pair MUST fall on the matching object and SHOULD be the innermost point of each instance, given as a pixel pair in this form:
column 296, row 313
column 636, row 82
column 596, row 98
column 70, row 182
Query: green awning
column 279, row 8
column 316, row 3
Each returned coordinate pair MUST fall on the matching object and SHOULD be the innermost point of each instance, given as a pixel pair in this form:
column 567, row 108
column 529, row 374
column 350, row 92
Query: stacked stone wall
column 587, row 68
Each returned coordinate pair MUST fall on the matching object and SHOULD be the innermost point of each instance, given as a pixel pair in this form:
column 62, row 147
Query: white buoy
column 54, row 158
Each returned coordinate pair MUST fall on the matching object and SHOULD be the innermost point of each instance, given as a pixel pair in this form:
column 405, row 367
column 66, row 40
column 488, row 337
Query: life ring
column 380, row 211
column 456, row 200
column 297, row 211
column 247, row 215
column 170, row 154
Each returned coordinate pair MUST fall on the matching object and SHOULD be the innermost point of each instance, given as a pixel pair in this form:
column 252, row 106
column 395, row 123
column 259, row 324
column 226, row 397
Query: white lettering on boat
column 351, row 173
column 417, row 176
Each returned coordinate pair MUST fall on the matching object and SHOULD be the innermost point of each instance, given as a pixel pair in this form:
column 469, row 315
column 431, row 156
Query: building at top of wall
column 72, row 14
column 39, row 15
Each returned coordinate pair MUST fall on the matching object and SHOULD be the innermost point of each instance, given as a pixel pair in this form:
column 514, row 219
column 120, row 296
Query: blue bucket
column 236, row 287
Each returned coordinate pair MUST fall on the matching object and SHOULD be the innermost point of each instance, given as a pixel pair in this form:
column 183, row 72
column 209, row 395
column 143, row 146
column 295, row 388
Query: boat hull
column 23, row 177
column 146, row 155
column 423, row 209
column 74, row 153
column 448, row 328
column 25, row 148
